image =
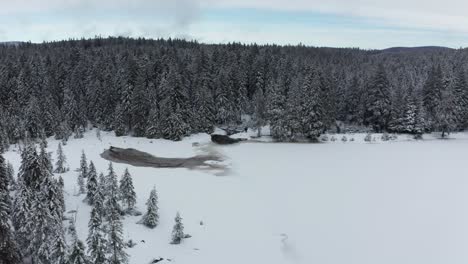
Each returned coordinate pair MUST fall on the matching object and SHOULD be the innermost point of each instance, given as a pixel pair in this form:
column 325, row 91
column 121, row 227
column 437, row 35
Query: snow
column 401, row 201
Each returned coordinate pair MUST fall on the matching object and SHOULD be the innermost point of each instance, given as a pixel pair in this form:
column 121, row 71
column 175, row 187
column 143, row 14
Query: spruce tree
column 10, row 171
column 178, row 230
column 22, row 213
column 460, row 94
column 432, row 92
column 9, row 251
column 83, row 165
column 115, row 244
column 151, row 218
column 77, row 253
column 92, row 184
column 40, row 227
column 446, row 119
column 378, row 102
column 83, row 173
column 96, row 235
column 61, row 164
column 127, row 191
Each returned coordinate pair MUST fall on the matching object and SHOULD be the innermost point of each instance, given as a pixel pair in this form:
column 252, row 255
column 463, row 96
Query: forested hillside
column 172, row 88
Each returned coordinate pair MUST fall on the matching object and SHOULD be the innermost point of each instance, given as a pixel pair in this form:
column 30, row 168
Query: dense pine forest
column 173, row 88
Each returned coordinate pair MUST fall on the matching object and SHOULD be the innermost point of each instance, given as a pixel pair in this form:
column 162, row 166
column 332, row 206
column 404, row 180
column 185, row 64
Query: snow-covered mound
column 353, row 202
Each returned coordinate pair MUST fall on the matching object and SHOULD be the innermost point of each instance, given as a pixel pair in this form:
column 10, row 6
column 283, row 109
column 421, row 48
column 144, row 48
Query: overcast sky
column 338, row 23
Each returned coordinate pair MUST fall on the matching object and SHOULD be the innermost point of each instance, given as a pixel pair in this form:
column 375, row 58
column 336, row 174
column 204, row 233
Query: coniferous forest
column 173, row 88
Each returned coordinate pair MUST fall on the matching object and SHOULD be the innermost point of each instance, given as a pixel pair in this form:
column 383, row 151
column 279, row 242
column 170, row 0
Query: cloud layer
column 39, row 20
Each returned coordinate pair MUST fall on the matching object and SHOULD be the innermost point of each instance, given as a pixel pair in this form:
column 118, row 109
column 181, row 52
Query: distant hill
column 11, row 43
column 413, row 49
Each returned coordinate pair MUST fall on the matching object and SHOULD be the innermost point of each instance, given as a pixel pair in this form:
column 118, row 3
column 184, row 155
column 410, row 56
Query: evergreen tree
column 61, row 164
column 10, row 171
column 446, row 119
column 96, row 236
column 378, row 102
column 9, row 252
column 83, row 173
column 115, row 244
column 432, row 93
column 276, row 113
column 92, row 184
column 460, row 95
column 412, row 120
column 178, row 230
column 127, row 191
column 77, row 254
column 151, row 218
column 39, row 247
column 83, row 165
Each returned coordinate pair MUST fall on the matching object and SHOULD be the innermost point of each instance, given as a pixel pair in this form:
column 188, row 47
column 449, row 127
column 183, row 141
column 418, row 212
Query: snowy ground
column 401, row 201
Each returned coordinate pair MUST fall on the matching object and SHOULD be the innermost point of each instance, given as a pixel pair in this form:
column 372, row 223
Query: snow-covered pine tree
column 83, row 165
column 115, row 244
column 46, row 160
column 127, row 191
column 259, row 110
column 59, row 254
column 276, row 113
column 77, row 254
column 151, row 217
column 445, row 119
column 61, row 164
column 310, row 108
column 460, row 94
column 9, row 252
column 39, row 224
column 378, row 109
column 83, row 173
column 10, row 171
column 178, row 230
column 96, row 235
column 92, row 184
column 432, row 92
column 61, row 185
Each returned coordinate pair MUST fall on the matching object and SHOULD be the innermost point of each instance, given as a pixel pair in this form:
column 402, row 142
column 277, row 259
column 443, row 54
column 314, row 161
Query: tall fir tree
column 96, row 235
column 127, row 191
column 92, row 184
column 378, row 109
column 77, row 254
column 61, row 164
column 115, row 244
column 9, row 251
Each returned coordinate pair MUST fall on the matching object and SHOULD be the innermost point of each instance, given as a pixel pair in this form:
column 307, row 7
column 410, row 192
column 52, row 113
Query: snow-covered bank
column 401, row 201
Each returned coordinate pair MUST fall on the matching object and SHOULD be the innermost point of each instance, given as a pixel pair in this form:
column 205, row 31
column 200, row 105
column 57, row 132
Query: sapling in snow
column 178, row 230
column 151, row 218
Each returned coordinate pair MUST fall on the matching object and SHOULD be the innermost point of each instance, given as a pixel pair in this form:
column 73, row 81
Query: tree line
column 173, row 88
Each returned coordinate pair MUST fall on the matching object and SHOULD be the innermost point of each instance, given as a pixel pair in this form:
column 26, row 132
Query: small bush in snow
column 333, row 139
column 368, row 137
column 344, row 139
column 324, row 138
column 393, row 137
column 385, row 137
column 352, row 140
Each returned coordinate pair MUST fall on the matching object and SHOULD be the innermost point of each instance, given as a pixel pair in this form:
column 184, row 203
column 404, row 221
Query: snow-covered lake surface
column 401, row 201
